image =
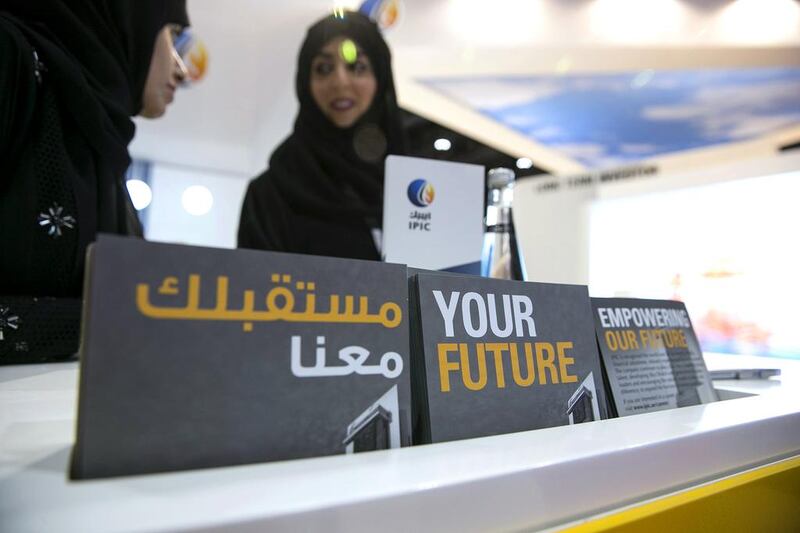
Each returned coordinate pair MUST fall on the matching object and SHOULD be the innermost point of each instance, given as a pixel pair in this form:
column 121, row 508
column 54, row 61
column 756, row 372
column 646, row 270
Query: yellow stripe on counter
column 763, row 499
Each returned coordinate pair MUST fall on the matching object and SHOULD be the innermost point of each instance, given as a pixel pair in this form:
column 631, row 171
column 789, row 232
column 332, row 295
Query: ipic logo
column 421, row 193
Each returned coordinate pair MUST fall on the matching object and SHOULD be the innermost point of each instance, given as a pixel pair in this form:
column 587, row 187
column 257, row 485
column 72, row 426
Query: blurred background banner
column 717, row 239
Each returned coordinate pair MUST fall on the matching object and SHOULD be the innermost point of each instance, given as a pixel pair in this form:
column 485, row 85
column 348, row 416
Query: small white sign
column 433, row 214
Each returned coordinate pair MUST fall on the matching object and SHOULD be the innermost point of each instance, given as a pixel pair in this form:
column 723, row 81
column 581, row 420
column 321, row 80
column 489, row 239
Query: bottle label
column 499, row 228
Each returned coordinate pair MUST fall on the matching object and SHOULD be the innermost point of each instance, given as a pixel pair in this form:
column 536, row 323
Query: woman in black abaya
column 72, row 74
column 323, row 191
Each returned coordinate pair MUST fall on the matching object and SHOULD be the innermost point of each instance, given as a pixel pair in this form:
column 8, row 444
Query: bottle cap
column 500, row 177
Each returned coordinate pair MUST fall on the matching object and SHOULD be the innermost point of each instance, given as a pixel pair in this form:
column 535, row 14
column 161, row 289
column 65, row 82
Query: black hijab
column 336, row 173
column 74, row 126
column 97, row 54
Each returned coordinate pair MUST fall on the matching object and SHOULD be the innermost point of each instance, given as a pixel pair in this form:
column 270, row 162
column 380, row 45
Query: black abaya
column 323, row 191
column 72, row 73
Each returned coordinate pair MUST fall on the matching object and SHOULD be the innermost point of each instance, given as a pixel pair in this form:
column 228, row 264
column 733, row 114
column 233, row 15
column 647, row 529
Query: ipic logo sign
column 420, row 194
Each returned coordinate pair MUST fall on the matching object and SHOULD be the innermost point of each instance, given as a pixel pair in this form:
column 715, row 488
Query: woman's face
column 343, row 84
column 167, row 71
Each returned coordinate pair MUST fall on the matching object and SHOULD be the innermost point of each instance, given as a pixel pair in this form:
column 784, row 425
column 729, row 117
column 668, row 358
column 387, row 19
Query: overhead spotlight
column 197, row 200
column 524, row 163
column 656, row 20
column 500, row 22
column 759, row 21
column 442, row 145
column 140, row 192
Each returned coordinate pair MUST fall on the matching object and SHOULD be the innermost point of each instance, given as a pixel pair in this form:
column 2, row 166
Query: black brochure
column 494, row 357
column 197, row 357
column 651, row 355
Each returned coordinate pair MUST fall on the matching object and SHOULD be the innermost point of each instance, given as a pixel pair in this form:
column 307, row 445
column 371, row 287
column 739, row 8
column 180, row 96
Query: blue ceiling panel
column 604, row 120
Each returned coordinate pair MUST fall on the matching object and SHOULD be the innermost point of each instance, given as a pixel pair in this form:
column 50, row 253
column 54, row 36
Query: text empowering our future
column 622, row 317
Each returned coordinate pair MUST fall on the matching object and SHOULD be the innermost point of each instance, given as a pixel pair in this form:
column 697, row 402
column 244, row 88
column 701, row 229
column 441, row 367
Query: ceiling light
column 524, row 163
column 759, row 21
column 442, row 145
column 634, row 21
column 197, row 200
column 499, row 23
column 140, row 193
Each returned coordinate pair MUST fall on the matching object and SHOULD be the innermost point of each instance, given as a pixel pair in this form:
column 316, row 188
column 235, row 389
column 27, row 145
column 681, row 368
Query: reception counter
column 604, row 475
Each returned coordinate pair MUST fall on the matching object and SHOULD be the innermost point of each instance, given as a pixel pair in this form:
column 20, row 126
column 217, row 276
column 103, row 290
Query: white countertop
column 527, row 480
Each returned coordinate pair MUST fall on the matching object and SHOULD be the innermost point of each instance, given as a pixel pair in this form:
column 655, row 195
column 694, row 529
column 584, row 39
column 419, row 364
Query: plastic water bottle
column 500, row 258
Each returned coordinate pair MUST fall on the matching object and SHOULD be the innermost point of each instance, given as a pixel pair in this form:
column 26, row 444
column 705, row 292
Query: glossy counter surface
column 526, row 480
